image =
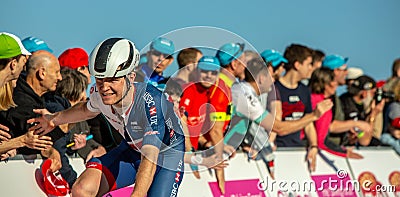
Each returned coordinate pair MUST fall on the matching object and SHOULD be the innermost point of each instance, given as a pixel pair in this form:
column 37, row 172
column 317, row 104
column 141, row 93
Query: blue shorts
column 121, row 164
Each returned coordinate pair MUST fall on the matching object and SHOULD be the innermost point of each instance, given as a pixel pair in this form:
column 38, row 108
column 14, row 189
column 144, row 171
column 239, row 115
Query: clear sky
column 366, row 31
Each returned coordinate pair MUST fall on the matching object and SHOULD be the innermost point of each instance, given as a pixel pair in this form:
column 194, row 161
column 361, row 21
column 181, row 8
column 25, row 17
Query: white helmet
column 114, row 57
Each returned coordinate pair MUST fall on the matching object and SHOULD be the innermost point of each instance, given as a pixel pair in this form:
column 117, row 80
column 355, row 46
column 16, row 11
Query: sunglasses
column 213, row 72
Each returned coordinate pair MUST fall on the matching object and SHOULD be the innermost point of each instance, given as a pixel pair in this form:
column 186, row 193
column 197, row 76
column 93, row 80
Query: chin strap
column 128, row 87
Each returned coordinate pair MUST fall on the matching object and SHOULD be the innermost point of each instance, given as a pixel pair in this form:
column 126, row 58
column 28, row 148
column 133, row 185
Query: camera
column 380, row 94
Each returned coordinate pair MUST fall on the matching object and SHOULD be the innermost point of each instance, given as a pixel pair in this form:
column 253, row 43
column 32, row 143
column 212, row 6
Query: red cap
column 74, row 58
column 396, row 123
column 380, row 83
column 54, row 183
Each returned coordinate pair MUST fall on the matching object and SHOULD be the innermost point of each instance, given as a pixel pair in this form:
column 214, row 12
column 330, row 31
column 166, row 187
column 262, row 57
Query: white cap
column 354, row 73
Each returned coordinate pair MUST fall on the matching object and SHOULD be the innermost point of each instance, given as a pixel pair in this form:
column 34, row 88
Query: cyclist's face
column 111, row 89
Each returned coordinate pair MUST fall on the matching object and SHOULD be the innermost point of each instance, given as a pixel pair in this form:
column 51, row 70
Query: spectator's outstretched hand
column 8, row 154
column 4, row 135
column 37, row 142
column 312, row 159
column 215, row 162
column 43, row 124
column 323, row 107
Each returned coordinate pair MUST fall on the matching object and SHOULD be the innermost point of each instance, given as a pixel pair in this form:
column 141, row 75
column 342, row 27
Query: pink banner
column 238, row 188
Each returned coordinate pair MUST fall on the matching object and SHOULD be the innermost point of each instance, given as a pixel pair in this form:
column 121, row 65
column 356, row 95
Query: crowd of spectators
column 235, row 99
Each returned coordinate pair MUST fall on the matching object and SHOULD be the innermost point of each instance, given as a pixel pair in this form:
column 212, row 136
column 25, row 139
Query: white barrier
column 250, row 178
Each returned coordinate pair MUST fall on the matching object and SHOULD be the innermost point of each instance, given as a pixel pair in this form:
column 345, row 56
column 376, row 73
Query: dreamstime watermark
column 340, row 183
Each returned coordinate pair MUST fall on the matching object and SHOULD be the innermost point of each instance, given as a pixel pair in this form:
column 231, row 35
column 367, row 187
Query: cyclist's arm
column 147, row 169
column 76, row 113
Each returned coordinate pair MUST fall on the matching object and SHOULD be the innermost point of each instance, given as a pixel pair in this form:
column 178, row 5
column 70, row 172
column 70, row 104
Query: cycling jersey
column 204, row 106
column 149, row 119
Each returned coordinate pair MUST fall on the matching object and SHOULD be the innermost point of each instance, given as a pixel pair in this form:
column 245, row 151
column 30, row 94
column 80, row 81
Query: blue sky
column 366, row 31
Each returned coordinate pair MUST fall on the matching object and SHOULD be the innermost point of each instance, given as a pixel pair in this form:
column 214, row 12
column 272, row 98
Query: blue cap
column 334, row 61
column 229, row 52
column 274, row 57
column 163, row 45
column 33, row 44
column 143, row 59
column 210, row 63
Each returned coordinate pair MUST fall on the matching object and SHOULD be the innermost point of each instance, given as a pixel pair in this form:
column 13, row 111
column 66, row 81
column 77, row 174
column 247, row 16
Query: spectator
column 295, row 99
column 174, row 91
column 352, row 74
column 277, row 62
column 393, row 112
column 43, row 73
column 207, row 104
column 249, row 110
column 359, row 104
column 323, row 86
column 77, row 59
column 395, row 75
column 33, row 44
column 187, row 62
column 339, row 125
column 158, row 59
column 13, row 57
column 317, row 58
column 233, row 62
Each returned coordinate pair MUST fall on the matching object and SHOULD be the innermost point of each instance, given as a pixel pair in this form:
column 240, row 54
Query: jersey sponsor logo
column 148, row 99
column 151, row 133
column 294, row 99
column 153, row 111
column 153, row 120
column 175, row 187
column 177, row 176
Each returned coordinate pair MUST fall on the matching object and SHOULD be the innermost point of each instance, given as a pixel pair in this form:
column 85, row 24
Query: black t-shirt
column 295, row 104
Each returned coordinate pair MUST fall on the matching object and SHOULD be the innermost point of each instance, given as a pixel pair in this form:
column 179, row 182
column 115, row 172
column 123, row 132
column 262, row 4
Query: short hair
column 6, row 96
column 5, row 61
column 296, row 53
column 395, row 67
column 252, row 54
column 35, row 61
column 187, row 56
column 254, row 68
column 72, row 85
column 173, row 88
column 317, row 55
column 319, row 78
